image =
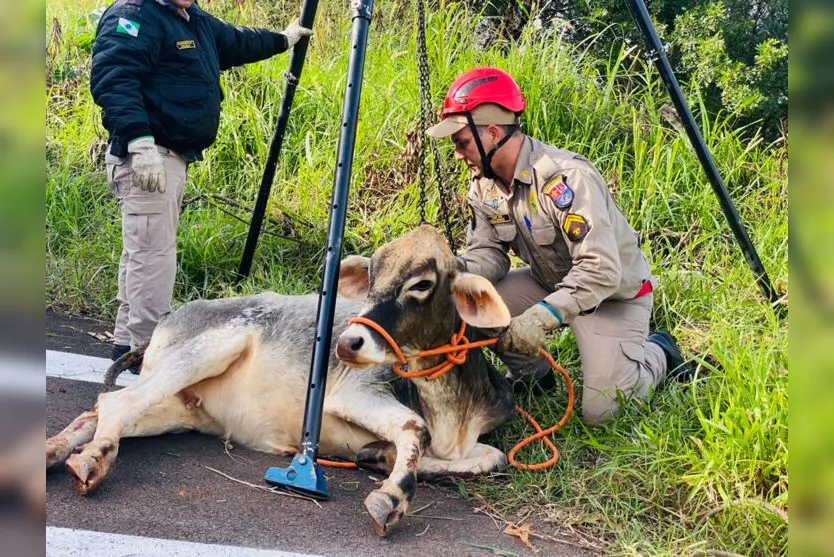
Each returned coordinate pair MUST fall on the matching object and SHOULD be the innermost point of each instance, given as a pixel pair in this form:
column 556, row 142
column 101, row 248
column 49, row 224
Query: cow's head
column 415, row 289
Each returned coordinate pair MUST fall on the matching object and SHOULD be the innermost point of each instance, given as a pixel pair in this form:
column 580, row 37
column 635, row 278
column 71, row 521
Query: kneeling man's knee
column 599, row 409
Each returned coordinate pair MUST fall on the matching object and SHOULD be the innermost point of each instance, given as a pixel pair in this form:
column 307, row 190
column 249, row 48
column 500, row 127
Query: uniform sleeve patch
column 559, row 192
column 576, row 227
column 127, row 27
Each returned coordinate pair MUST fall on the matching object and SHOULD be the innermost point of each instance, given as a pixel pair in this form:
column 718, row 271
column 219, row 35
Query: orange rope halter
column 455, row 353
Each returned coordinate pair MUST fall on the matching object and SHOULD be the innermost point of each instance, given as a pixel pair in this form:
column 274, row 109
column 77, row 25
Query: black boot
column 532, row 385
column 677, row 368
column 118, row 351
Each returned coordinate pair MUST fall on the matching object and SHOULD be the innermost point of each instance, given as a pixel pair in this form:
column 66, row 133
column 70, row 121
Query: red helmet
column 480, row 86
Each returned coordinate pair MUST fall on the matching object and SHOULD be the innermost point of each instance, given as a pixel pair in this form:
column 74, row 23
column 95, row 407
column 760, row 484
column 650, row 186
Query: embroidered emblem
column 534, row 203
column 559, row 192
column 576, row 227
column 127, row 27
column 185, row 44
column 493, row 201
column 499, row 219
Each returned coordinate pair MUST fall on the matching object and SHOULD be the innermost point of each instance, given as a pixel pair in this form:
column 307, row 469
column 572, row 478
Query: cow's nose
column 355, row 343
column 357, row 346
column 348, row 347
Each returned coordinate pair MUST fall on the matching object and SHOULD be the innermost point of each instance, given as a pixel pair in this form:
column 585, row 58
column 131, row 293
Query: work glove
column 147, row 164
column 294, row 32
column 527, row 332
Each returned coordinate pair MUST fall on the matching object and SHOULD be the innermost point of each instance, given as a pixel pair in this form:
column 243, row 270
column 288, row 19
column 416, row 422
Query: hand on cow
column 527, row 332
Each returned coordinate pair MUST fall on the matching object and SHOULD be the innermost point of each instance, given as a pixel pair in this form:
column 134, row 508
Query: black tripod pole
column 641, row 15
column 304, row 474
column 299, row 53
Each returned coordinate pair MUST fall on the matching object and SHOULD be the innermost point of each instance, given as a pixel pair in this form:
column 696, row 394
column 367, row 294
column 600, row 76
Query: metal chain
column 426, row 117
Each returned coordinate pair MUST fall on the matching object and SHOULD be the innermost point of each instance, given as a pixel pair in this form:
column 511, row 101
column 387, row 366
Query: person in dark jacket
column 156, row 75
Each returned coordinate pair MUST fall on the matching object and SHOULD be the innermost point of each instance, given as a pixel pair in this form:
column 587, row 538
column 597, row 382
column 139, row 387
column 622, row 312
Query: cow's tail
column 128, row 360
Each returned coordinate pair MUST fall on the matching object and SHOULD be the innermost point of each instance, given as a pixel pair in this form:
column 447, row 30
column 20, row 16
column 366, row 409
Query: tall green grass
column 699, row 468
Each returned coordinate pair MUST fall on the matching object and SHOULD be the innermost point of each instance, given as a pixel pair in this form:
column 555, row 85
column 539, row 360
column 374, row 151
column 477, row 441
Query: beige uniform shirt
column 560, row 219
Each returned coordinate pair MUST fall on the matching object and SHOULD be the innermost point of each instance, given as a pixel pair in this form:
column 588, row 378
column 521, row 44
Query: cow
column 238, row 368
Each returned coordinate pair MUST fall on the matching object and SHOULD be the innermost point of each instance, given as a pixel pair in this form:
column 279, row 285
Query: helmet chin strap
column 486, row 158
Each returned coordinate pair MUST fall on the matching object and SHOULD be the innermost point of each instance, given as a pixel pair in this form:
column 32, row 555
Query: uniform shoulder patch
column 559, row 192
column 127, row 27
column 576, row 227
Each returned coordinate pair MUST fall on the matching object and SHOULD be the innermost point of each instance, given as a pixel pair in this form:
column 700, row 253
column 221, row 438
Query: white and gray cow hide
column 238, row 368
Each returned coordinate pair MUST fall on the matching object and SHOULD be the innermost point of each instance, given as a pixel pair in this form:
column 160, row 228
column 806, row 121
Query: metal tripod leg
column 304, row 475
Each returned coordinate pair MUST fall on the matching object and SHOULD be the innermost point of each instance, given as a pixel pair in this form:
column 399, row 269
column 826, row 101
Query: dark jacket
column 154, row 73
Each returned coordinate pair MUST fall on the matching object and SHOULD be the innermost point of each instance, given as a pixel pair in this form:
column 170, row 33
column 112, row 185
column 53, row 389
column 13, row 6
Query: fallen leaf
column 521, row 532
column 103, row 337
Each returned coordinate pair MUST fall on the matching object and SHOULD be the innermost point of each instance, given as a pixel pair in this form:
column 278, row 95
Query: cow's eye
column 422, row 286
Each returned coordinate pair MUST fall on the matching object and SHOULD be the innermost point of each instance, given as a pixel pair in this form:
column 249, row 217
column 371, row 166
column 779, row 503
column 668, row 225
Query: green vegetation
column 735, row 50
column 700, row 468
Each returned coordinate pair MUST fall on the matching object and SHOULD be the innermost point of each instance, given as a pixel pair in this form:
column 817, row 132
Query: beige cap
column 482, row 115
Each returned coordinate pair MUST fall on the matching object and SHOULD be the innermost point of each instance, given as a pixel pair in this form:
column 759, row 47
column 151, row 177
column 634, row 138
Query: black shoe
column 120, row 350
column 529, row 385
column 677, row 368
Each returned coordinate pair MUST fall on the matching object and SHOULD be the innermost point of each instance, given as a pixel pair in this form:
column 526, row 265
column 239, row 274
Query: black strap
column 486, row 158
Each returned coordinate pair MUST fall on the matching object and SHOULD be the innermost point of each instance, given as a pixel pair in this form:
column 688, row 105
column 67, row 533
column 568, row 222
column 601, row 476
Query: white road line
column 82, row 368
column 66, row 542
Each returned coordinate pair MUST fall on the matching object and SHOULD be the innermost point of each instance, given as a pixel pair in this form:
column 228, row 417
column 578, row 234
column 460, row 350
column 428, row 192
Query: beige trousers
column 148, row 264
column 616, row 359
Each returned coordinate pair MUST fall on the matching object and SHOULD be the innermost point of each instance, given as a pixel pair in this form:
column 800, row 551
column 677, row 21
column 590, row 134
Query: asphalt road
column 161, row 487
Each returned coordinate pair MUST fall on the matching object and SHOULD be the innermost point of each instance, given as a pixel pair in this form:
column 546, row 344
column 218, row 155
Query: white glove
column 294, row 32
column 147, row 164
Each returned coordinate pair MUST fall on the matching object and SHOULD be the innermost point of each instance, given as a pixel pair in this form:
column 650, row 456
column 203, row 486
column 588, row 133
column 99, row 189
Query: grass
column 699, row 468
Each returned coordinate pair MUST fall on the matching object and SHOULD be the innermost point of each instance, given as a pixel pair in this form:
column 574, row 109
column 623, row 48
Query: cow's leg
column 378, row 456
column 390, row 421
column 79, row 432
column 482, row 459
column 208, row 355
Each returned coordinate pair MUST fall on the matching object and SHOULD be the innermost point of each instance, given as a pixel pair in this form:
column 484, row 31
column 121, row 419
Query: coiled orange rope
column 455, row 353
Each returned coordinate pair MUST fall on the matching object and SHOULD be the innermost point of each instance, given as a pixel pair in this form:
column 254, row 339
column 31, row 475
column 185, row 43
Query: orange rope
column 455, row 353
column 336, row 463
column 544, row 435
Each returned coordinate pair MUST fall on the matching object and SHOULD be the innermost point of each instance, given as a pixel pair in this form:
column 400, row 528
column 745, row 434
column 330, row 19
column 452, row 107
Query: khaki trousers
column 616, row 359
column 148, row 264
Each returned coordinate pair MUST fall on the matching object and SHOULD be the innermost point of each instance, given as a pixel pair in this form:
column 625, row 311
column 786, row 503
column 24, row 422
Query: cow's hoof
column 91, row 466
column 385, row 510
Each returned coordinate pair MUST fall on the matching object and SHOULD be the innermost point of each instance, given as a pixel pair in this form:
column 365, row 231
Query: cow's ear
column 478, row 303
column 353, row 277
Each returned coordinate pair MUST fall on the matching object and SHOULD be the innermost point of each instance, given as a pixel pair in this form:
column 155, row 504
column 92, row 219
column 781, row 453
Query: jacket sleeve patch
column 559, row 192
column 576, row 227
column 127, row 27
